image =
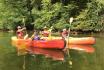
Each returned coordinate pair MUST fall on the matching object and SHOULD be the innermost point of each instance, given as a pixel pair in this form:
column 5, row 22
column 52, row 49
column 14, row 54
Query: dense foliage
column 88, row 14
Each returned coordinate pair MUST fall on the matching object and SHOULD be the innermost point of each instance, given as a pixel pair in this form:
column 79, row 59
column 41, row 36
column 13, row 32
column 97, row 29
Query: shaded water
column 80, row 60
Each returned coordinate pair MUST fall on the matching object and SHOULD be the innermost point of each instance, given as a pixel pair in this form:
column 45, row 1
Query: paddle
column 67, row 44
column 25, row 37
column 70, row 21
column 50, row 32
column 23, row 47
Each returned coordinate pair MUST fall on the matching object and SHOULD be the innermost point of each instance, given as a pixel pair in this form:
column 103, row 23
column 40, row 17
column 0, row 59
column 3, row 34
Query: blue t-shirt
column 36, row 37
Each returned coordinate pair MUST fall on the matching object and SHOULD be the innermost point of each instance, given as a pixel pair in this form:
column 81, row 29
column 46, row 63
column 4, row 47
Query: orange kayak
column 50, row 44
column 74, row 40
column 53, row 44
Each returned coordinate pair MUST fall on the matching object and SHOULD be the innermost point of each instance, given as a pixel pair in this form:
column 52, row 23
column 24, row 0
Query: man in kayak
column 20, row 33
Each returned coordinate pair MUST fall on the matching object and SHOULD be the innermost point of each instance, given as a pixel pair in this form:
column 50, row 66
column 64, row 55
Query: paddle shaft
column 71, row 20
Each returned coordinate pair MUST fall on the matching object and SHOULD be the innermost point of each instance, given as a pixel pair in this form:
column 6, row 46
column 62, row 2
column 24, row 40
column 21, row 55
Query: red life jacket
column 65, row 33
column 19, row 34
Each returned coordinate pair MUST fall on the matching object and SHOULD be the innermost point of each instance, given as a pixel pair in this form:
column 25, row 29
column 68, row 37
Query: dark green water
column 80, row 60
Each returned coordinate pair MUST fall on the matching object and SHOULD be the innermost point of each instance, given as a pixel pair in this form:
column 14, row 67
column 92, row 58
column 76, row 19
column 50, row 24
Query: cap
column 64, row 29
column 19, row 27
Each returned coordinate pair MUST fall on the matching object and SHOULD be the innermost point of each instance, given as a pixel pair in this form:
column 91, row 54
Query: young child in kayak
column 35, row 36
column 19, row 32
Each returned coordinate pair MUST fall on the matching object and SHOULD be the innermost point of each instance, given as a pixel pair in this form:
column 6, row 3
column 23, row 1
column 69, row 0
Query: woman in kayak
column 64, row 33
column 20, row 32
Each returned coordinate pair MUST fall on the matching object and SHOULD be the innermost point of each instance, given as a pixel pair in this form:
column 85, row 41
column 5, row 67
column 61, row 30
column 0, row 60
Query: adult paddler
column 64, row 33
column 20, row 33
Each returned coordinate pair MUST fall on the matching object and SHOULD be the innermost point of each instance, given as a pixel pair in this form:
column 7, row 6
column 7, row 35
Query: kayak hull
column 57, row 44
column 22, row 44
column 49, row 44
column 75, row 40
column 53, row 44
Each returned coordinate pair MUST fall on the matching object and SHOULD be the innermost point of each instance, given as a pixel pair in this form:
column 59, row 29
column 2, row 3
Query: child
column 35, row 36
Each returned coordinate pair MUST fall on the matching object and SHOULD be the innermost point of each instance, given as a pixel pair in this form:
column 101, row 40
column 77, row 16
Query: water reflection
column 84, row 48
column 48, row 53
column 60, row 54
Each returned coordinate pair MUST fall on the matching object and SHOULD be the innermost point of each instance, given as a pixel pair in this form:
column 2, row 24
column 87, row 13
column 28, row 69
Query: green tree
column 88, row 14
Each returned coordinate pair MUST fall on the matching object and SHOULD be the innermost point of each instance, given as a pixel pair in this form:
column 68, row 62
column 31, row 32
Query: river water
column 9, row 60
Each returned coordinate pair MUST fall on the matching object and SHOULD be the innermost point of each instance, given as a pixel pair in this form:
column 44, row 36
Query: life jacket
column 65, row 33
column 45, row 33
column 19, row 34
